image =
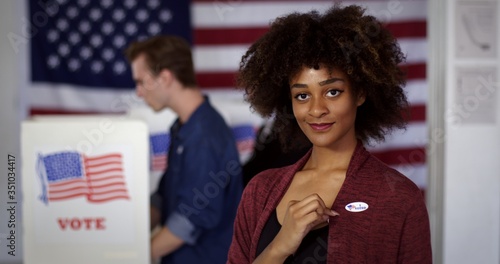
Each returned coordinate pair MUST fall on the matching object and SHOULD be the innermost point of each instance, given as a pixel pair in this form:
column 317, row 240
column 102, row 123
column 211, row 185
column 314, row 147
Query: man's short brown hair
column 166, row 52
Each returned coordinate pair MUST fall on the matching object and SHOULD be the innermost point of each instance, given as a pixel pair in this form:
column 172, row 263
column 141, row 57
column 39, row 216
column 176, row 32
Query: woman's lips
column 321, row 127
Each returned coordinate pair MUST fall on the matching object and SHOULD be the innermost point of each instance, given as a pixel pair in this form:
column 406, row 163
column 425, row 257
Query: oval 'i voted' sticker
column 356, row 207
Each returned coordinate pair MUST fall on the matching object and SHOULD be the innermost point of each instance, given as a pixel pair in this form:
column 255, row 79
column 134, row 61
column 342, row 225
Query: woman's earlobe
column 361, row 99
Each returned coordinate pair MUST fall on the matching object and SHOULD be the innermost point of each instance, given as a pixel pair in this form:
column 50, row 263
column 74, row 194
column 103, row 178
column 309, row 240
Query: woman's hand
column 300, row 218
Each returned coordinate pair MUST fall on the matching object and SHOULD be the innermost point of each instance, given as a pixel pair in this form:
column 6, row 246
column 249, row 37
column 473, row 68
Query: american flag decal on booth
column 159, row 142
column 244, row 135
column 67, row 175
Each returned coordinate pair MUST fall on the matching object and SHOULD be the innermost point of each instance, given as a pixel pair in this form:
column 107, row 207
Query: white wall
column 472, row 178
column 11, row 111
column 465, row 162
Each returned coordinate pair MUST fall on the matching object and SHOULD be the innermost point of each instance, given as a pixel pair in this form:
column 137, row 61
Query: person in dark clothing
column 196, row 200
column 268, row 153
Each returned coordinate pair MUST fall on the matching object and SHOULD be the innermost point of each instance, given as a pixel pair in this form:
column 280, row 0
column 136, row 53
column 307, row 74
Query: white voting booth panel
column 85, row 190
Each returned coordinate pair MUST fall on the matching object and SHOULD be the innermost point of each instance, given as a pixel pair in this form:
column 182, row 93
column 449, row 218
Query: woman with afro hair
column 332, row 81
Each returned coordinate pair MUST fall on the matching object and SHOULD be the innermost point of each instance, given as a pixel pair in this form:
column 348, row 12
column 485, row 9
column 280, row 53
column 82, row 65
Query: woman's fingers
column 313, row 197
column 310, row 203
column 313, row 206
column 309, row 213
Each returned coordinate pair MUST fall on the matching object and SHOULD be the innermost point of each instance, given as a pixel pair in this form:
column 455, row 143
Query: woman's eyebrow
column 325, row 82
column 298, row 85
column 332, row 80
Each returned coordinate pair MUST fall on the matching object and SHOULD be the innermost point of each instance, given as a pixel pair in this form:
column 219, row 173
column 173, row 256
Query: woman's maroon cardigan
column 394, row 228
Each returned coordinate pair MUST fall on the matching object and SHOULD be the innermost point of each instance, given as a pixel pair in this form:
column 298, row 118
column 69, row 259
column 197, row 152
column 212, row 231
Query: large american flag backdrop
column 77, row 62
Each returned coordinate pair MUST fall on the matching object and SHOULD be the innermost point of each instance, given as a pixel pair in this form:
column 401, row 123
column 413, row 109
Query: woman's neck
column 331, row 158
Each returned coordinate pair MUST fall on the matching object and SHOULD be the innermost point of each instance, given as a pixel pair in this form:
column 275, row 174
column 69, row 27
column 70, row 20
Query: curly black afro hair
column 343, row 38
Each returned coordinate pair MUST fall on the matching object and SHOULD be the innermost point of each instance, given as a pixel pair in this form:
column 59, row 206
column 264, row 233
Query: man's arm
column 155, row 217
column 155, row 205
column 164, row 242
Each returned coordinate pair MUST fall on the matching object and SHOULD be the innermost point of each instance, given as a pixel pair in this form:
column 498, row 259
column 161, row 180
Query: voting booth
column 85, row 190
